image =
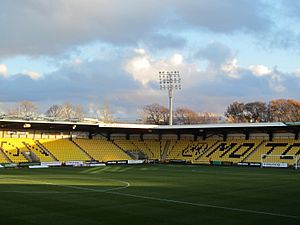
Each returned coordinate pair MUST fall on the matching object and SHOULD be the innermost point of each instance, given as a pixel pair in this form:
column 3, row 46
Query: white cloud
column 231, row 68
column 140, row 63
column 176, row 59
column 275, row 78
column 139, row 67
column 260, row 70
column 145, row 68
column 3, row 70
column 32, row 74
column 140, row 51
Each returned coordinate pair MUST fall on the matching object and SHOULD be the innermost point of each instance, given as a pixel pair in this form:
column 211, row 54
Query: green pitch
column 150, row 194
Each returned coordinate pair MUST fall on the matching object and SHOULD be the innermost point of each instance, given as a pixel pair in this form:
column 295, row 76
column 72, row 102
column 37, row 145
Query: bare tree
column 155, row 114
column 294, row 109
column 23, row 109
column 27, row 108
column 284, row 110
column 208, row 117
column 14, row 111
column 106, row 114
column 54, row 111
column 78, row 112
column 184, row 115
column 69, row 111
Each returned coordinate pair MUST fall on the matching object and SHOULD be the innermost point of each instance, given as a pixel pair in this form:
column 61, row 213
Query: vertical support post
column 171, row 106
column 296, row 135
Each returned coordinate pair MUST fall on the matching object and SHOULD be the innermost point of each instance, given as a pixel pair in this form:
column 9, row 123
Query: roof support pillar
column 270, row 136
column 224, row 136
column 296, row 135
column 247, row 135
column 195, row 136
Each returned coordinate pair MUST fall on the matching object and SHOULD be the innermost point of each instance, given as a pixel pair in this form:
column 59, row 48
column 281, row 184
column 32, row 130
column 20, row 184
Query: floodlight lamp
column 170, row 80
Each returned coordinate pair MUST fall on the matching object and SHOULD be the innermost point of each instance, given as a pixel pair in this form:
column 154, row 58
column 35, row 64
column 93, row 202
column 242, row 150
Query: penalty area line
column 206, row 205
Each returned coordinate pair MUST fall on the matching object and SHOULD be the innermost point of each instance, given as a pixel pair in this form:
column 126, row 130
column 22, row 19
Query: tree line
column 279, row 110
column 64, row 111
column 158, row 114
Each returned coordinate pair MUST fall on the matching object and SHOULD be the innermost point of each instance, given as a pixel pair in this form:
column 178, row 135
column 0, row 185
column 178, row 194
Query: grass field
column 150, row 194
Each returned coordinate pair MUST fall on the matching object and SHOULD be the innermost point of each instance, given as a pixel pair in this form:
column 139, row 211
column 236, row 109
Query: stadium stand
column 276, row 147
column 204, row 152
column 102, row 149
column 176, row 149
column 64, row 150
column 3, row 157
column 155, row 147
column 189, row 150
column 38, row 151
column 233, row 151
column 14, row 150
column 142, row 146
column 126, row 145
column 200, row 152
column 19, row 150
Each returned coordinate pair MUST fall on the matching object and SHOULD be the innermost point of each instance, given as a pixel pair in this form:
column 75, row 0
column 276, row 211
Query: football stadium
column 89, row 134
column 80, row 173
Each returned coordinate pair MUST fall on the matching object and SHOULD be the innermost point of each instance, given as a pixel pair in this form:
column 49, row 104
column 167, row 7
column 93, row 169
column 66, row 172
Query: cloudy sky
column 92, row 52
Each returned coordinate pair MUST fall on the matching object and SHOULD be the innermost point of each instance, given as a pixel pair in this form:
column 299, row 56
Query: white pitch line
column 206, row 205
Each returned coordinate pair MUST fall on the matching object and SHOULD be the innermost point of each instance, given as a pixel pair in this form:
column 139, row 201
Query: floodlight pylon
column 170, row 81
